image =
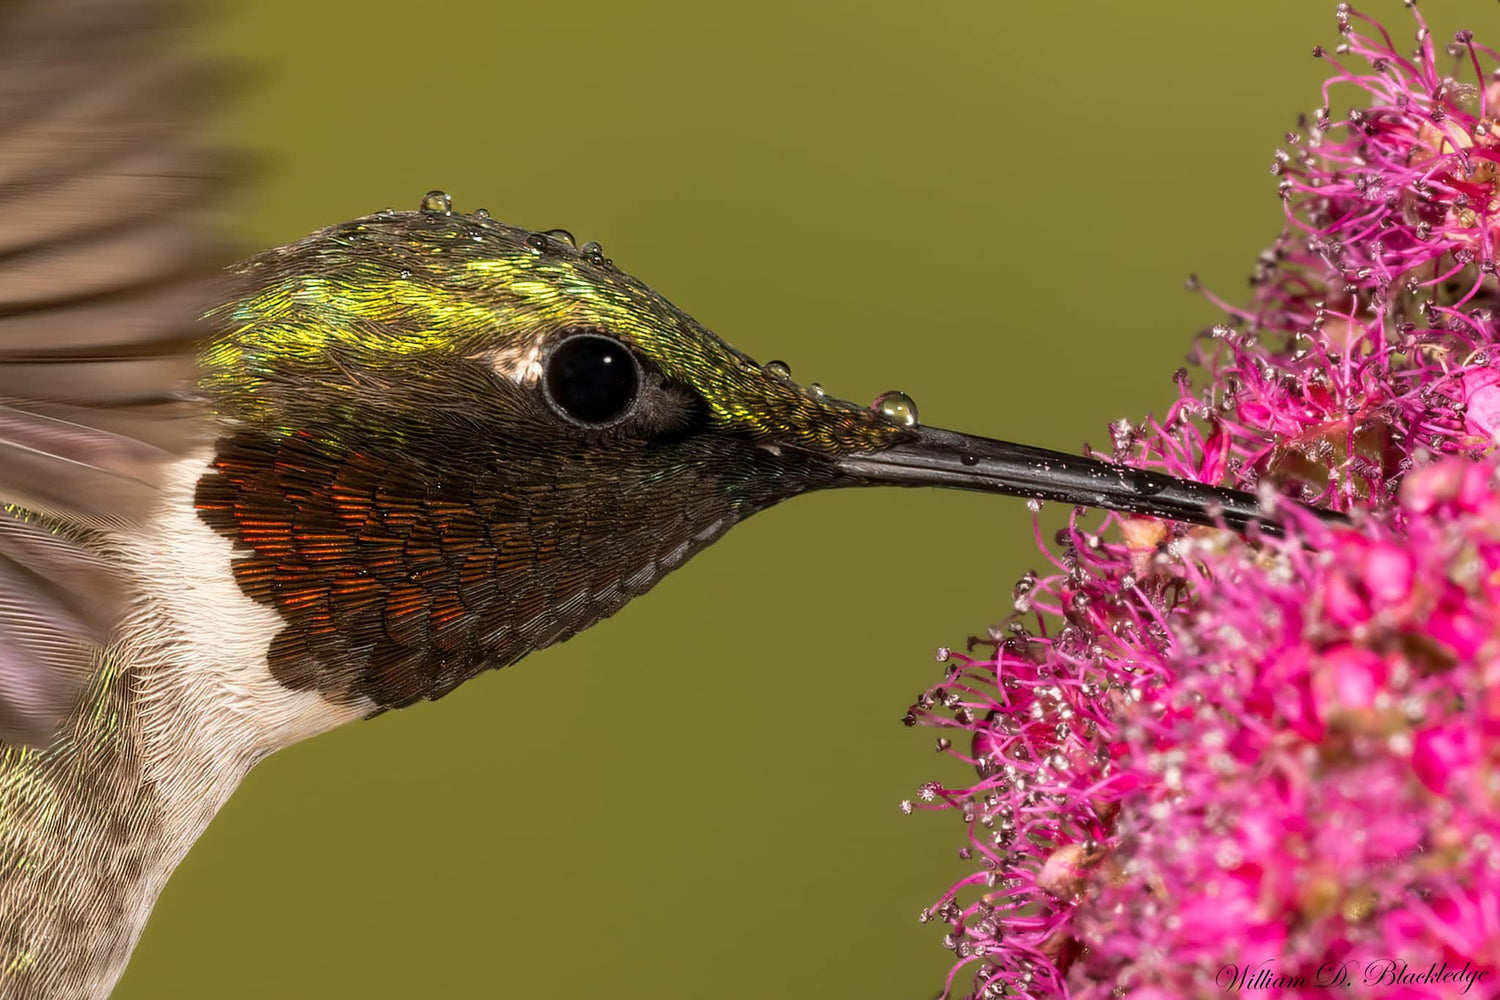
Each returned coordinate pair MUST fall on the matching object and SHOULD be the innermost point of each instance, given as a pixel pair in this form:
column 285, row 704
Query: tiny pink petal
column 1482, row 404
column 1348, row 678
column 1387, row 573
column 1440, row 752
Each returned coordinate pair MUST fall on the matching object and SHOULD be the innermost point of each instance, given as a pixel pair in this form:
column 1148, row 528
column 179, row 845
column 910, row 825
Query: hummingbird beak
column 935, row 457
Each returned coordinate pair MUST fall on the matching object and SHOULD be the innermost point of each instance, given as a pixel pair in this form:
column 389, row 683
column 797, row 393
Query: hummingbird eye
column 591, row 379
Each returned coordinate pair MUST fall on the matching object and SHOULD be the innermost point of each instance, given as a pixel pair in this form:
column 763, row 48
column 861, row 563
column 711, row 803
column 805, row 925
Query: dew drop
column 562, row 236
column 481, row 213
column 777, row 369
column 593, row 253
column 436, row 203
column 898, row 406
column 816, row 389
column 536, row 243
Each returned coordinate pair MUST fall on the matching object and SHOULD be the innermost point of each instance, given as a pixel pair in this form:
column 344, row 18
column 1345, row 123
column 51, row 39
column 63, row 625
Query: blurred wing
column 108, row 255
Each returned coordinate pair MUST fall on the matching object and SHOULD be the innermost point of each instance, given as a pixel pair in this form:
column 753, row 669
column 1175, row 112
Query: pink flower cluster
column 1193, row 758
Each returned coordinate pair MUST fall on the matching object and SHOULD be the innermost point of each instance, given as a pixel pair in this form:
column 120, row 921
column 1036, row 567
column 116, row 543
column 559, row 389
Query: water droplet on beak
column 436, row 203
column 898, row 406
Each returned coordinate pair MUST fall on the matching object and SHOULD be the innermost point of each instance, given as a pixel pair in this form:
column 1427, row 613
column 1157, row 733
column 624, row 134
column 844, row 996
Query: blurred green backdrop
column 990, row 205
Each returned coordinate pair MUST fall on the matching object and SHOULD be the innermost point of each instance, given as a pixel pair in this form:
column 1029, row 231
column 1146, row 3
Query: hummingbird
column 247, row 503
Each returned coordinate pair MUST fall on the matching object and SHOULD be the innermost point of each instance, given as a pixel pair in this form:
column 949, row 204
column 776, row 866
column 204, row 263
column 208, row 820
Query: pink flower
column 1187, row 751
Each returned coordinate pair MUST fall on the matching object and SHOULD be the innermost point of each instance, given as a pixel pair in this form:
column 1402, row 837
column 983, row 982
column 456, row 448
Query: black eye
column 591, row 379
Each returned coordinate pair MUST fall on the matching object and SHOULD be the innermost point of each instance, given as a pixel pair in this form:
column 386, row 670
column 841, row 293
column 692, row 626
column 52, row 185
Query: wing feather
column 109, row 255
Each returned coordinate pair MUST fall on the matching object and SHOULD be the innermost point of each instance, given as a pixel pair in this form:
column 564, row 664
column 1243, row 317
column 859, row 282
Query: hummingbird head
column 447, row 442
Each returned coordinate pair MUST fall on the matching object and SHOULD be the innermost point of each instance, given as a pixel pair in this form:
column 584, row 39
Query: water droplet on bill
column 897, row 406
column 436, row 203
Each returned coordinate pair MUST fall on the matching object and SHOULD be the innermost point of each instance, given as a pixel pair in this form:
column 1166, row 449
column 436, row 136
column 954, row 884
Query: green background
column 990, row 205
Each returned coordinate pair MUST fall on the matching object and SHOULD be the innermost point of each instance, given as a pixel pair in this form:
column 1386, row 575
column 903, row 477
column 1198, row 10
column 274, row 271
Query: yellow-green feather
column 400, row 287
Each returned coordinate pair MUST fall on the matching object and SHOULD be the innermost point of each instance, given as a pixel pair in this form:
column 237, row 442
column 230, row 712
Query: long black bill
column 961, row 461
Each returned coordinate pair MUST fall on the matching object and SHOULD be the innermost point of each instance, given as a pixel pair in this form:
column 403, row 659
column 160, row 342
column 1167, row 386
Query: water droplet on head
column 436, row 203
column 594, row 253
column 562, row 236
column 816, row 389
column 481, row 213
column 898, row 406
column 777, row 369
column 536, row 243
